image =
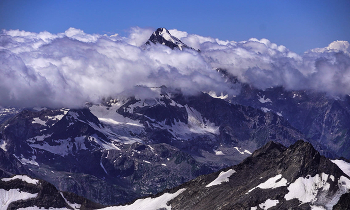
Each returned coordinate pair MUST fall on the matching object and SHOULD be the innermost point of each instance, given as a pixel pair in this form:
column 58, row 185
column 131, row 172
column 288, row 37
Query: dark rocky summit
column 163, row 36
column 297, row 177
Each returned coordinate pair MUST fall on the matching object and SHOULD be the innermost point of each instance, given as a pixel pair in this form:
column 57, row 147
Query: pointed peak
column 301, row 146
column 160, row 31
column 163, row 36
column 269, row 147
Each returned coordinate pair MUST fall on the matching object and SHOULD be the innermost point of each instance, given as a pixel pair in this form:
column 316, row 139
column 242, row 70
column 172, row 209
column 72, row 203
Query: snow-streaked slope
column 64, row 146
column 24, row 178
column 197, row 125
column 117, row 126
column 149, row 203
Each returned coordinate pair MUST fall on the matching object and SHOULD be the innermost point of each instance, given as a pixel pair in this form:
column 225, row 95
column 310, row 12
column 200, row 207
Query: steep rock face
column 212, row 130
column 76, row 152
column 324, row 120
column 274, row 176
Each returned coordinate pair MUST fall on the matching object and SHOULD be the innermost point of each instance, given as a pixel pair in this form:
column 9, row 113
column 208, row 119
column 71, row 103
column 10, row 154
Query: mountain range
column 200, row 146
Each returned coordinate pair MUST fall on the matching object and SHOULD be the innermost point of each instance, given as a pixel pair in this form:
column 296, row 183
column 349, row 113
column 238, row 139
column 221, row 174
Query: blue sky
column 298, row 25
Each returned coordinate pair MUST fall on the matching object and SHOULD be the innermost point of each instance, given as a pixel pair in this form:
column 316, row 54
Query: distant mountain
column 273, row 177
column 324, row 120
column 122, row 149
column 163, row 36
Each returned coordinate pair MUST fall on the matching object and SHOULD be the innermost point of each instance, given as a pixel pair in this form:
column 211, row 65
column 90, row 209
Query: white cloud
column 70, row 68
column 138, row 36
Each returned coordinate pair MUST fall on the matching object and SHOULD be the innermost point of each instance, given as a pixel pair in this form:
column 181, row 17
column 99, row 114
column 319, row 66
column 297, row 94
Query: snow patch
column 317, row 207
column 268, row 204
column 217, row 152
column 245, row 151
column 38, row 138
column 263, row 100
column 26, row 161
column 273, row 182
column 221, row 96
column 24, row 178
column 103, row 166
column 264, row 109
column 38, row 121
column 7, row 197
column 3, row 145
column 306, row 189
column 197, row 124
column 149, row 203
column 223, row 177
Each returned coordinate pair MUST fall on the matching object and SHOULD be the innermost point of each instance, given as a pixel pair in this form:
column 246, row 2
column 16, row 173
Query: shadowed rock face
column 278, row 166
column 324, row 120
column 344, row 202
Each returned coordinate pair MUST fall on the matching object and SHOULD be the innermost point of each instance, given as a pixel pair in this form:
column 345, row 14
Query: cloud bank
column 71, row 68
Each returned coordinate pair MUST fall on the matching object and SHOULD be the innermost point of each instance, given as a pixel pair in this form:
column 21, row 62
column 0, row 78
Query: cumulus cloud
column 71, row 68
column 264, row 64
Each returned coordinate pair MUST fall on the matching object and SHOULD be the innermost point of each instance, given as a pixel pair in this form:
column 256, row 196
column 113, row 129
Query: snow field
column 223, row 177
column 149, row 203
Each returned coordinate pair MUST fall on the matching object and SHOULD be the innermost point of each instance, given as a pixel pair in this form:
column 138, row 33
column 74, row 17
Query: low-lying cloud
column 264, row 64
column 71, row 68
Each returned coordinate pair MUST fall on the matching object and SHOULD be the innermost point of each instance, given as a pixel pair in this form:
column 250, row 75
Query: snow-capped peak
column 163, row 36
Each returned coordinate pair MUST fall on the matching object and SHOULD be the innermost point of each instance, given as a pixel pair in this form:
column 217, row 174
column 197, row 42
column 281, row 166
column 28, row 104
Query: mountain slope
column 111, row 152
column 323, row 119
column 273, row 177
